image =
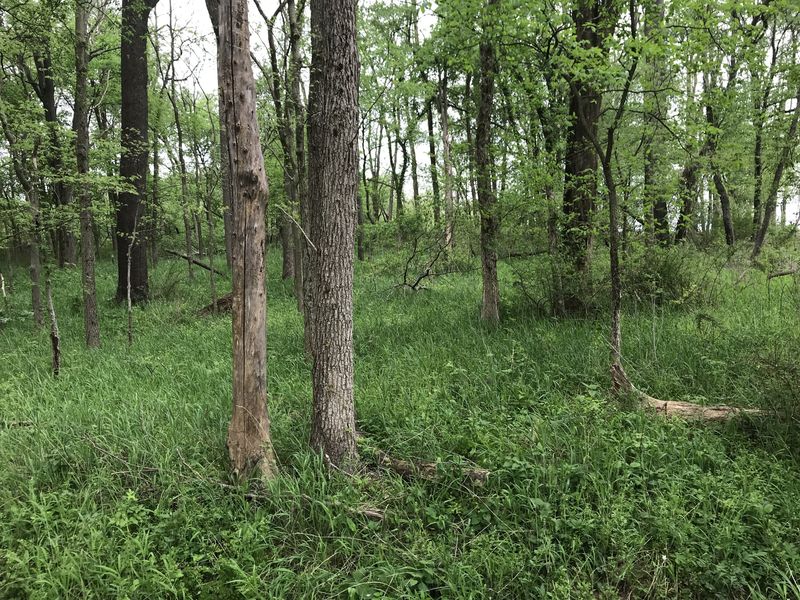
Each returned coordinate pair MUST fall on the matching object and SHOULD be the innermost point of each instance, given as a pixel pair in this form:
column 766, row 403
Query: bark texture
column 333, row 181
column 133, row 162
column 490, row 306
column 249, row 442
column 592, row 26
column 81, row 127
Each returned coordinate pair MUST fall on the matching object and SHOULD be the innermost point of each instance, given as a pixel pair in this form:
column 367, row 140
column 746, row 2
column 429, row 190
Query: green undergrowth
column 114, row 483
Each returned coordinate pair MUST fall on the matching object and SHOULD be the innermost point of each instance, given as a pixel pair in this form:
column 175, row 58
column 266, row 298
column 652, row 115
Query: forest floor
column 114, row 481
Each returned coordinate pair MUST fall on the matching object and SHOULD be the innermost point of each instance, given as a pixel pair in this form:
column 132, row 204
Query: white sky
column 200, row 55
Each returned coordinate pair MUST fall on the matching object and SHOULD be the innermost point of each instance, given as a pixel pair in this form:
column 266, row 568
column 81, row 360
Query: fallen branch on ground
column 224, row 304
column 782, row 273
column 194, row 261
column 675, row 408
column 427, row 470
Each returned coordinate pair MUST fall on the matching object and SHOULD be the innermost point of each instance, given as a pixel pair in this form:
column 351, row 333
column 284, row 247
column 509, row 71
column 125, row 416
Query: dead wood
column 224, row 305
column 194, row 261
column 427, row 470
column 782, row 273
column 675, row 408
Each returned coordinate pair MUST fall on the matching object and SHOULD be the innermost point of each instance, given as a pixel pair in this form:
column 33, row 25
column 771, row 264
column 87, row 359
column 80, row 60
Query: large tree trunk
column 133, row 162
column 249, row 442
column 81, row 127
column 333, row 181
column 490, row 307
column 580, row 166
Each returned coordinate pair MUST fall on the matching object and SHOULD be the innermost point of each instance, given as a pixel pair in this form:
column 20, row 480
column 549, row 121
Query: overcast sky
column 199, row 62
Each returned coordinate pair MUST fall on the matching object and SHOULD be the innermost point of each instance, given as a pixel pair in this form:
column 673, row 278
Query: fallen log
column 772, row 276
column 194, row 261
column 427, row 470
column 676, row 408
column 223, row 305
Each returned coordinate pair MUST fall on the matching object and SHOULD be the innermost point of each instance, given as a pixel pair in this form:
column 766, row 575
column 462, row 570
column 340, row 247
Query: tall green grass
column 114, row 484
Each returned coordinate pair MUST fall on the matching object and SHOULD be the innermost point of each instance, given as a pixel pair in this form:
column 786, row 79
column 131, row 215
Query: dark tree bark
column 655, row 105
column 490, row 307
column 687, row 193
column 301, row 186
column 594, row 22
column 333, row 180
column 449, row 203
column 81, row 127
column 286, row 138
column 225, row 177
column 784, row 162
column 710, row 150
column 133, row 162
column 44, row 86
column 249, row 441
column 434, row 170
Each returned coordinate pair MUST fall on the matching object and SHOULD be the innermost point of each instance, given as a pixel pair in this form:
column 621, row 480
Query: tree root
column 620, row 384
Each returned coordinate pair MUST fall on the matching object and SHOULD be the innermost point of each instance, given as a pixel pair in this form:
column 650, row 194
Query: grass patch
column 114, row 480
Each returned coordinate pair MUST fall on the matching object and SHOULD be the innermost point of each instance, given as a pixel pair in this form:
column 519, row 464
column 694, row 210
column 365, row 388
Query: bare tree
column 249, row 441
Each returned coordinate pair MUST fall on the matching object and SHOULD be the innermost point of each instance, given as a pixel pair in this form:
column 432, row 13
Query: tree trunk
column 434, row 170
column 471, row 150
column 225, row 175
column 687, row 192
column 580, row 166
column 133, row 161
column 333, row 137
column 716, row 174
column 44, row 86
column 784, row 162
column 249, row 442
column 449, row 207
column 81, row 127
column 35, row 256
column 654, row 105
column 490, row 307
column 301, row 185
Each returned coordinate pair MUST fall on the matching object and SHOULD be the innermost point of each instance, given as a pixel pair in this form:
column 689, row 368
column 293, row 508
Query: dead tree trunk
column 249, row 441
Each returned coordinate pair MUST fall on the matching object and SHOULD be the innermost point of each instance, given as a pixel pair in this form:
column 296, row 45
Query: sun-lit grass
column 113, row 477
